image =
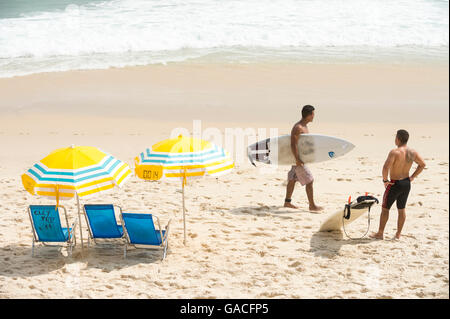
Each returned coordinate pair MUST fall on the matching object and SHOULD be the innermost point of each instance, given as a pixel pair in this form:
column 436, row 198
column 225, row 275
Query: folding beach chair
column 140, row 232
column 102, row 223
column 47, row 229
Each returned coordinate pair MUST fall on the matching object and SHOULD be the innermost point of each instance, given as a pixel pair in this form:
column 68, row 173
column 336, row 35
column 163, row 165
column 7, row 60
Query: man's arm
column 387, row 167
column 420, row 166
column 295, row 135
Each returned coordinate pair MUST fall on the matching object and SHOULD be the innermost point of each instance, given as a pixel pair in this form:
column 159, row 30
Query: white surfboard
column 342, row 217
column 312, row 148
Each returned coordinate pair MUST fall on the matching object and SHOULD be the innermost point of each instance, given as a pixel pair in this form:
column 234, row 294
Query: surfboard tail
column 250, row 157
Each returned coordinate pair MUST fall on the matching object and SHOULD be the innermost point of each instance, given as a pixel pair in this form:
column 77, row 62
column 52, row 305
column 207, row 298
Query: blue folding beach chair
column 140, row 232
column 47, row 229
column 102, row 223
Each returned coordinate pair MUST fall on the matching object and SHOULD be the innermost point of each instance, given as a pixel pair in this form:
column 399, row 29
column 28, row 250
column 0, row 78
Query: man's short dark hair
column 307, row 110
column 403, row 136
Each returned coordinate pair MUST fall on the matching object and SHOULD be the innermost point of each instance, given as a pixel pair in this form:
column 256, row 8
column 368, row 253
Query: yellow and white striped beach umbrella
column 75, row 171
column 183, row 158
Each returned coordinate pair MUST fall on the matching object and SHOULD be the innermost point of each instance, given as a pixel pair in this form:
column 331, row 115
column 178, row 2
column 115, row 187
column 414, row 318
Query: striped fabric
column 81, row 169
column 173, row 158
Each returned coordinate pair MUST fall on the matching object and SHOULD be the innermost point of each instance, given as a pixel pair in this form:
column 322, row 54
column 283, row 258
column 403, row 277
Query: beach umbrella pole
column 184, row 212
column 79, row 220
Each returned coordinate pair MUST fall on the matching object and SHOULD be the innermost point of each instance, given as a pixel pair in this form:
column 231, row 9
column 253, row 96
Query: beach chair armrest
column 74, row 226
column 71, row 231
column 166, row 235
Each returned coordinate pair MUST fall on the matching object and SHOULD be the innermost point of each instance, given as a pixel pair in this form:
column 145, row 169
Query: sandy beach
column 241, row 242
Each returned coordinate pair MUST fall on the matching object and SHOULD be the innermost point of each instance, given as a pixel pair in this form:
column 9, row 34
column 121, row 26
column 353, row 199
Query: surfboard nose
column 345, row 147
column 350, row 146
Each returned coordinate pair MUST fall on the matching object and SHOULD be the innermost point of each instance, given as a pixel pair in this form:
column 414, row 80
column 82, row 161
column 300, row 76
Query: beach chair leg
column 165, row 250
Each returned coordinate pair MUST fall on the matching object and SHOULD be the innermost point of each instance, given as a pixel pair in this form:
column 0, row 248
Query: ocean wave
column 147, row 30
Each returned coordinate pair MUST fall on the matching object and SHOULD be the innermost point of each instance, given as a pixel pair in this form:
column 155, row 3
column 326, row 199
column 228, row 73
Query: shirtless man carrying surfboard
column 300, row 173
column 397, row 166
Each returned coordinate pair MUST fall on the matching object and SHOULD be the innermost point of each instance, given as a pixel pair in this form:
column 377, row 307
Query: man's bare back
column 299, row 128
column 402, row 160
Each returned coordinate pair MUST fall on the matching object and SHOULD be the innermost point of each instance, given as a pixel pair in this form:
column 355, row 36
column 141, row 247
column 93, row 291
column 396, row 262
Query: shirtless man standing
column 398, row 165
column 300, row 173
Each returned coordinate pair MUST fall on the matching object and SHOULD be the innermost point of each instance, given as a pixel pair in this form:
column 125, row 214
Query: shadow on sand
column 16, row 260
column 323, row 244
column 263, row 210
column 328, row 244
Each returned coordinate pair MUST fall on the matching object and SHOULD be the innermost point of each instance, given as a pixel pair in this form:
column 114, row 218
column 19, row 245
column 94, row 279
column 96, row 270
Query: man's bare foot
column 315, row 208
column 289, row 205
column 397, row 236
column 376, row 236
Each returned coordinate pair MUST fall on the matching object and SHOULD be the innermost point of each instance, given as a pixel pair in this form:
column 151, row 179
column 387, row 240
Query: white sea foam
column 136, row 32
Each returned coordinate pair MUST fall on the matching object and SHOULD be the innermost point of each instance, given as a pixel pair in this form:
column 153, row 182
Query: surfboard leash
column 343, row 223
column 347, row 213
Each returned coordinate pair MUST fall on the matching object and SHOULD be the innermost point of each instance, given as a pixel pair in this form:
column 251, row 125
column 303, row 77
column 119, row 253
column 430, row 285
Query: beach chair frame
column 164, row 246
column 71, row 241
column 91, row 234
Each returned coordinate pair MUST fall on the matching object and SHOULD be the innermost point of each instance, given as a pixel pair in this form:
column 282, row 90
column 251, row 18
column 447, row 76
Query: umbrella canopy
column 83, row 170
column 75, row 171
column 183, row 158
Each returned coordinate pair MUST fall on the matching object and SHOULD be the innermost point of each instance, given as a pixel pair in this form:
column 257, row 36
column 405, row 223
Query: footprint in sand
column 295, row 264
column 261, row 234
